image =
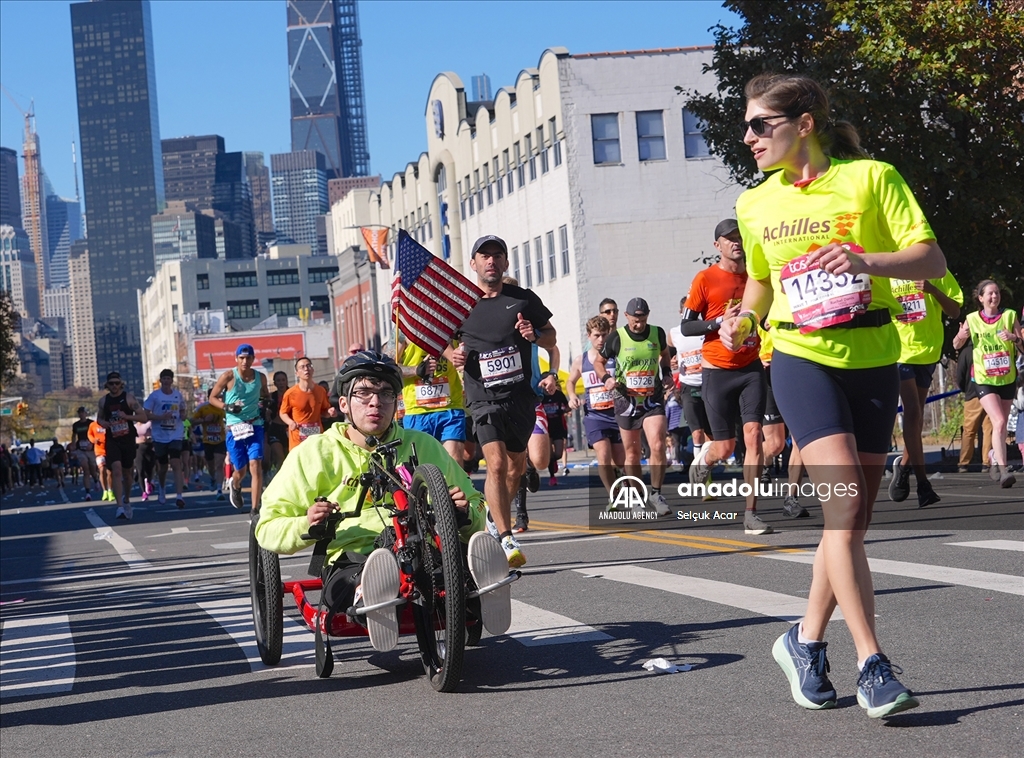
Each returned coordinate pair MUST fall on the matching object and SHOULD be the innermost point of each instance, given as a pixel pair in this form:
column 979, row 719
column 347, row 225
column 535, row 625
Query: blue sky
column 221, row 65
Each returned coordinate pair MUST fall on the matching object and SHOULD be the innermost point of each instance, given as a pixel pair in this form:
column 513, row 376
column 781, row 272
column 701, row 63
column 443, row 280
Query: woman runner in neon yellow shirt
column 822, row 234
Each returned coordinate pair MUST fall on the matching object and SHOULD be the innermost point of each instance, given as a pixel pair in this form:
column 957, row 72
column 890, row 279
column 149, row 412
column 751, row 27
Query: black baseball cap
column 726, row 227
column 637, row 306
column 489, row 238
column 81, row 409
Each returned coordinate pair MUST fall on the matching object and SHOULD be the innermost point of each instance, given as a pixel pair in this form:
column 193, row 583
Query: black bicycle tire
column 445, row 672
column 266, row 594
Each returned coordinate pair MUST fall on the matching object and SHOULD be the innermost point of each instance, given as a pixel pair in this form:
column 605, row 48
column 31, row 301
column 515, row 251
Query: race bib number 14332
column 818, row 299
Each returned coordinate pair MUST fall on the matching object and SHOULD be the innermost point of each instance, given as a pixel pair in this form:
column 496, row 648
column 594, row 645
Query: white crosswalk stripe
column 532, row 626
column 1011, row 545
column 235, row 617
column 37, row 656
column 764, row 602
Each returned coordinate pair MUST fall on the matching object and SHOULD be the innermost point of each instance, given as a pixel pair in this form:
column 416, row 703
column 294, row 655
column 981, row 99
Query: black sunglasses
column 610, row 310
column 757, row 124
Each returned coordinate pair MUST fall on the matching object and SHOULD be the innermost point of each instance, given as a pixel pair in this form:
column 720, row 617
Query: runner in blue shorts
column 241, row 392
column 432, row 395
column 603, row 433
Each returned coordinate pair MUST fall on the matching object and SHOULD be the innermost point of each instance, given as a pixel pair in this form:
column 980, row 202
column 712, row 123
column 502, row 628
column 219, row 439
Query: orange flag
column 376, row 240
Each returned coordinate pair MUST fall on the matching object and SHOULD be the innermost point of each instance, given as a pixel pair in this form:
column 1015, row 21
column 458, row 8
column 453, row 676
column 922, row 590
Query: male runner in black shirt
column 496, row 355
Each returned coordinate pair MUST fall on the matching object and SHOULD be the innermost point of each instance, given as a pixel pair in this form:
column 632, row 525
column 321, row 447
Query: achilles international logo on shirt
column 807, row 229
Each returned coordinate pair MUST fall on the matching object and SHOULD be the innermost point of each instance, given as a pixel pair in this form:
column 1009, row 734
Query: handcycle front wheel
column 266, row 593
column 440, row 613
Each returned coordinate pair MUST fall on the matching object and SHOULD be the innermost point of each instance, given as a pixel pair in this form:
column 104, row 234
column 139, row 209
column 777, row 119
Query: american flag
column 431, row 298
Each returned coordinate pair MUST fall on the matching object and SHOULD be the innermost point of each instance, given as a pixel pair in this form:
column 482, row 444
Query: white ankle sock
column 800, row 636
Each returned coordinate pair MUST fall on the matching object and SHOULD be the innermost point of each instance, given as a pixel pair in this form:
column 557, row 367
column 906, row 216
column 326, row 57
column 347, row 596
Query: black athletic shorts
column 630, row 412
column 167, row 450
column 731, row 395
column 211, row 449
column 1004, row 391
column 819, row 401
column 921, row 374
column 693, row 409
column 509, row 421
column 121, row 449
column 772, row 416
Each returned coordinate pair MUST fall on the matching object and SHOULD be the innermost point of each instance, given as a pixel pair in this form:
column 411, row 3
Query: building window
column 490, row 188
column 462, row 201
column 694, row 145
column 549, row 239
column 204, row 306
column 531, row 156
column 540, row 260
column 244, row 279
column 285, row 306
column 520, row 168
column 563, row 244
column 650, row 135
column 174, row 312
column 202, row 281
column 317, row 275
column 515, row 263
column 174, row 284
column 543, row 150
column 556, row 146
column 527, row 266
column 508, row 172
column 320, row 303
column 278, row 278
column 243, row 308
column 605, row 128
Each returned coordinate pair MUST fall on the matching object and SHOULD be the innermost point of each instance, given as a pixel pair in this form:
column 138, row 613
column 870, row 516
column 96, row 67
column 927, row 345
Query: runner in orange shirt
column 98, row 437
column 303, row 404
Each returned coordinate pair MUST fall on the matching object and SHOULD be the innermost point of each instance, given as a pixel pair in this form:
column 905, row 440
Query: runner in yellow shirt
column 823, row 234
column 923, row 304
column 432, row 395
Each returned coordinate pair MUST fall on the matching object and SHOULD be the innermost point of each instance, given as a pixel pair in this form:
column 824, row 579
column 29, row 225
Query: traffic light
column 21, row 409
column 195, row 382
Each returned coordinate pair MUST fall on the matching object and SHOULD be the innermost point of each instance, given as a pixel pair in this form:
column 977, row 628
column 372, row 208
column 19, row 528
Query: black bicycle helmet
column 367, row 363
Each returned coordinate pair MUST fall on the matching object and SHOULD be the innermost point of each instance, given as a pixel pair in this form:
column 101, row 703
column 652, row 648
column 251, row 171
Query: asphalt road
column 135, row 639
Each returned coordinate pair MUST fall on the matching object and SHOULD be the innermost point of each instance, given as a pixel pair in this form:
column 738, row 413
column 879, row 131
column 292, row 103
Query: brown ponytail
column 795, row 95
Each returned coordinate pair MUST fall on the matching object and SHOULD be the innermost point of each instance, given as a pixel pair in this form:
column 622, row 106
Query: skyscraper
column 299, row 184
column 190, row 169
column 482, row 88
column 33, row 209
column 232, row 199
column 121, row 168
column 262, row 210
column 325, row 72
column 10, row 192
column 64, row 226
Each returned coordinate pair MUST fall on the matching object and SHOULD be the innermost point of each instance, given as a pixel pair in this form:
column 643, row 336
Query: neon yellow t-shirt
column 767, row 344
column 442, row 393
column 861, row 202
column 920, row 322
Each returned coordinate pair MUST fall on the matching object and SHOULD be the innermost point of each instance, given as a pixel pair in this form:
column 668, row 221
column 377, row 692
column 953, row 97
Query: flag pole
column 392, row 348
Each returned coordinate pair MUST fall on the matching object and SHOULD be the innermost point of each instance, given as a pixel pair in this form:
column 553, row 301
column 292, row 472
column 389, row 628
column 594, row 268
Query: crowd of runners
column 822, row 314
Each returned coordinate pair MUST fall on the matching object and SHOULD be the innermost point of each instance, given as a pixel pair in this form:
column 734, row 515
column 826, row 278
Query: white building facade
column 83, row 336
column 588, row 167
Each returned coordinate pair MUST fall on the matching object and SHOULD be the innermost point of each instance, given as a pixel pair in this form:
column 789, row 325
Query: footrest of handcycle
column 364, row 609
column 512, row 576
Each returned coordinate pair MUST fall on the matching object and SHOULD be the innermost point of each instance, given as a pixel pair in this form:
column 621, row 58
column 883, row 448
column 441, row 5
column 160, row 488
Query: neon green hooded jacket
column 328, row 465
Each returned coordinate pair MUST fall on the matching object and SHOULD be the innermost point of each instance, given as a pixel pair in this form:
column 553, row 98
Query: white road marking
column 37, row 656
column 763, row 602
column 231, row 545
column 532, row 626
column 123, row 547
column 1014, row 545
column 235, row 617
column 122, row 572
column 182, row 530
column 985, row 580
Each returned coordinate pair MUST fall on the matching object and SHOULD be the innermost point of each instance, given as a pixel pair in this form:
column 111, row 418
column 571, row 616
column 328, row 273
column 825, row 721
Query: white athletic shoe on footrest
column 487, row 565
column 381, row 582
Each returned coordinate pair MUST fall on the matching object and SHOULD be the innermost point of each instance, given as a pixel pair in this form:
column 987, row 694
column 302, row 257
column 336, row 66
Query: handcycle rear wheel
column 440, row 613
column 266, row 593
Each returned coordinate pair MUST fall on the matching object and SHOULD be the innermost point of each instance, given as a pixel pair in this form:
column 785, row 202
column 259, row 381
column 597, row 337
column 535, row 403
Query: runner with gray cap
column 639, row 350
column 496, row 355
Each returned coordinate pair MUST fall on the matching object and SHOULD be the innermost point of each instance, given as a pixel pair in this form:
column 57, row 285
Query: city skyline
column 401, row 57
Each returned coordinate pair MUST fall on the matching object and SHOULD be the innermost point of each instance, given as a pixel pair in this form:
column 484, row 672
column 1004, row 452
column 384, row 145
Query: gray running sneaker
column 899, row 485
column 1007, row 480
column 754, row 525
column 792, row 508
column 236, row 497
column 657, row 501
column 995, row 472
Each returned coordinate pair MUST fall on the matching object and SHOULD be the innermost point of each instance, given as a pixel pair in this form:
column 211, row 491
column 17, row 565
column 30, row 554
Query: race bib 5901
column 501, row 366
